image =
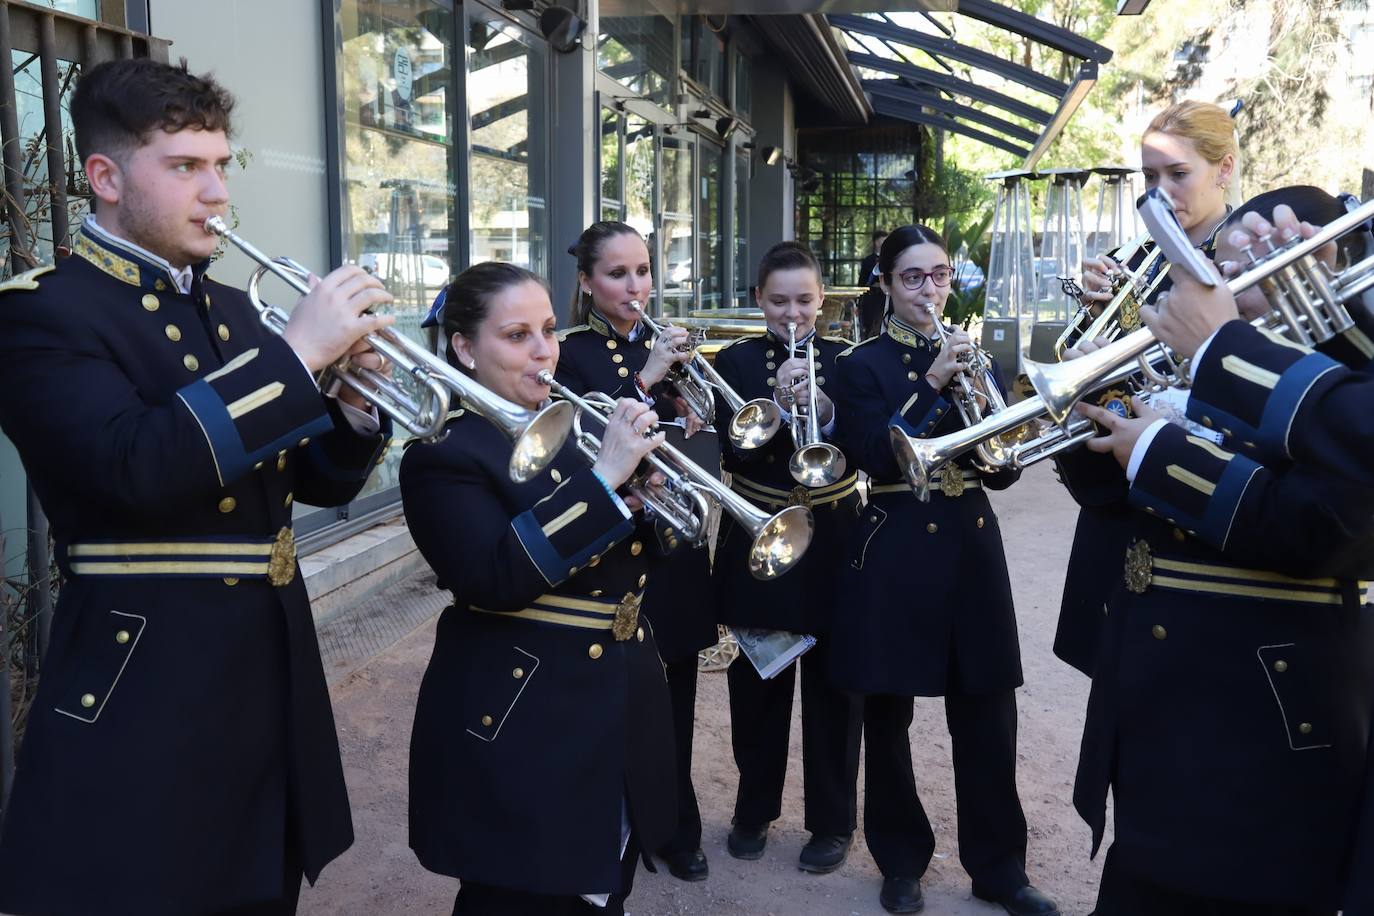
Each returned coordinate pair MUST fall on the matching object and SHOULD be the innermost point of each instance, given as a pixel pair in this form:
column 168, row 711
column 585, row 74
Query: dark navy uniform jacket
column 1231, row 702
column 544, row 706
column 802, row 600
column 1103, row 528
column 182, row 729
column 593, row 357
column 1295, row 404
column 924, row 606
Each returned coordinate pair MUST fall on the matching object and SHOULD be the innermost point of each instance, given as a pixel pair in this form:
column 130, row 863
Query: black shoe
column 688, row 866
column 901, row 895
column 1024, row 901
column 746, row 841
column 825, row 852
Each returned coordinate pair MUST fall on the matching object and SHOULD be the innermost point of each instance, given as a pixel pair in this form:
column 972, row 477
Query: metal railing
column 63, row 45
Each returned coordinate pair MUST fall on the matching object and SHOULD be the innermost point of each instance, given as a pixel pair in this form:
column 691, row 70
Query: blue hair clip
column 436, row 312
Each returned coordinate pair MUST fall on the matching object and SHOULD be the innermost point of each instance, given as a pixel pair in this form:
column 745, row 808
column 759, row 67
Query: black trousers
column 760, row 729
column 487, row 900
column 992, row 827
column 682, row 694
column 1124, row 894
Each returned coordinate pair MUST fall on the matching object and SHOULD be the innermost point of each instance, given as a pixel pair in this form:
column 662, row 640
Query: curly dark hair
column 119, row 103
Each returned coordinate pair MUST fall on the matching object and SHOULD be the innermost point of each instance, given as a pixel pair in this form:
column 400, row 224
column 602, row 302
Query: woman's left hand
column 1122, row 432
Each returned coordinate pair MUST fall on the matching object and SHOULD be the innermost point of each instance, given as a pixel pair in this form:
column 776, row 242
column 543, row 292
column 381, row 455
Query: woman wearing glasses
column 958, row 640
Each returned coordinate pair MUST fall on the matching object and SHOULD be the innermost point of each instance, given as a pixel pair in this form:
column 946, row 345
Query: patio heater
column 1061, row 255
column 1011, row 270
column 1117, row 221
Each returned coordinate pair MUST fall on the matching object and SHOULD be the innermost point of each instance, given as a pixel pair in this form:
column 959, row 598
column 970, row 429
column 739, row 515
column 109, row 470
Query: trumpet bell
column 754, row 424
column 817, row 465
column 540, row 440
column 780, row 542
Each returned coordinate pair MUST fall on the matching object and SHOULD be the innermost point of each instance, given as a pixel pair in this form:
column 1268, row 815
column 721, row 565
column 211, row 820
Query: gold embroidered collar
column 908, row 336
column 126, row 265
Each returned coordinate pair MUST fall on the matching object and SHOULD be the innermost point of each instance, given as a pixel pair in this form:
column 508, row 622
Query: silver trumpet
column 752, row 423
column 537, row 434
column 684, row 499
column 1308, row 306
column 1014, row 438
column 976, row 395
column 814, row 463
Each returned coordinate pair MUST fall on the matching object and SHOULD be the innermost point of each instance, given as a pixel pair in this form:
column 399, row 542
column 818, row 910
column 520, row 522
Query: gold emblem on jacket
column 800, row 496
column 952, row 481
column 626, row 617
column 1139, row 567
column 281, row 565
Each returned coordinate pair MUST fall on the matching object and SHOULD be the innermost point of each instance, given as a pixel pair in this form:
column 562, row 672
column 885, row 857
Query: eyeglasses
column 915, row 279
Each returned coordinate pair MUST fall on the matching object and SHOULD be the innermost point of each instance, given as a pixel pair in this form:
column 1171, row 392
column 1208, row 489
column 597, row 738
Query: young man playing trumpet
column 180, row 756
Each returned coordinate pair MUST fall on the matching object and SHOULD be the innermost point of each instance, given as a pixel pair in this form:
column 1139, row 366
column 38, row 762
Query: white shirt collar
column 182, row 278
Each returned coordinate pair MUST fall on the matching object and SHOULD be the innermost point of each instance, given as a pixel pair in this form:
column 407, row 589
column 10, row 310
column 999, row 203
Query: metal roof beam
column 899, row 92
column 1078, row 91
column 1037, row 30
column 951, row 49
column 951, row 84
column 905, row 112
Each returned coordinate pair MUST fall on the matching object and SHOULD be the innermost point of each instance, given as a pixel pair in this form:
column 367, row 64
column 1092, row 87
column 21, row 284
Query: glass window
column 743, row 269
column 852, row 192
column 397, row 182
column 635, row 48
column 703, row 52
column 677, row 190
column 86, row 9
column 612, row 177
column 712, row 274
column 33, row 158
column 506, row 93
column 640, row 175
column 742, row 89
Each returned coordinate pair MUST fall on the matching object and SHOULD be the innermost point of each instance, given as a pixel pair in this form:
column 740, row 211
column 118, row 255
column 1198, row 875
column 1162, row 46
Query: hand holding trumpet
column 954, row 357
column 793, row 393
column 630, row 435
column 335, row 315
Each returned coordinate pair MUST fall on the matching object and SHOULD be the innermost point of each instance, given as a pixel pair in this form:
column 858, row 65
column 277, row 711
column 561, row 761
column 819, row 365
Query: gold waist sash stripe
column 273, row 559
column 972, row 481
column 772, row 496
column 564, row 611
column 1209, row 578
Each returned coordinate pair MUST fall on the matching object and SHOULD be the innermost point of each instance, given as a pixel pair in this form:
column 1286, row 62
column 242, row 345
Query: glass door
column 711, row 278
column 508, row 148
column 677, row 239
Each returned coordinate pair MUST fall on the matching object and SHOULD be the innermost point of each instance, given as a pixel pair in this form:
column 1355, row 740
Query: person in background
column 614, row 352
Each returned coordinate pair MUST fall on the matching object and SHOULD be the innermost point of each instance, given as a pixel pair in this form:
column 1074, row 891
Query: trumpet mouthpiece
column 545, row 377
column 214, row 225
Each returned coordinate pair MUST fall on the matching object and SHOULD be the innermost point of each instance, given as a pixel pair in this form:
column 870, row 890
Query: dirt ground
column 374, row 706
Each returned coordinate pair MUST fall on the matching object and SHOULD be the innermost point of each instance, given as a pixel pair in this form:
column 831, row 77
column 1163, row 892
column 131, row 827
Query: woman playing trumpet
column 958, row 638
column 615, row 353
column 1188, row 150
column 541, row 762
column 789, row 292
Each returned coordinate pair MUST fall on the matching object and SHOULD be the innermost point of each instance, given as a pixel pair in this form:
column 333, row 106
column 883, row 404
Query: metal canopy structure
column 946, row 101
